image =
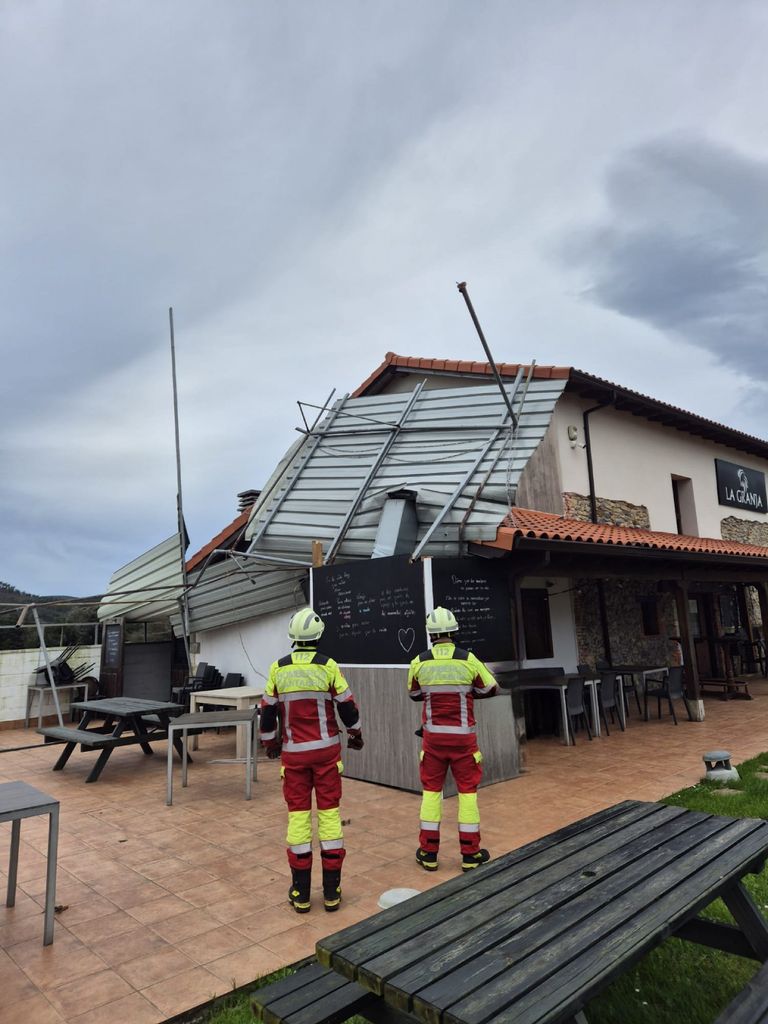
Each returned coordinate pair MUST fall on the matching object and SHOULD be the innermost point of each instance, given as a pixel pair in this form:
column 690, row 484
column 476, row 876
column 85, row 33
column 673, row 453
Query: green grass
column 679, row 981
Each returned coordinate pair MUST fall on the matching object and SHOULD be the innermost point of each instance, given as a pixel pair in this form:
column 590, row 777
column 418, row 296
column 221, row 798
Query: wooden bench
column 91, row 738
column 751, row 1004
column 313, row 995
column 734, row 688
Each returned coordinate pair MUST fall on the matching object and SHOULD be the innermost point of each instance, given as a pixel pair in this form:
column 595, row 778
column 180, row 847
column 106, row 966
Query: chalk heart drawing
column 406, row 638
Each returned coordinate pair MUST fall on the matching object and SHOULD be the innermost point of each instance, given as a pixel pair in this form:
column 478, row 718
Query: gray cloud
column 684, row 247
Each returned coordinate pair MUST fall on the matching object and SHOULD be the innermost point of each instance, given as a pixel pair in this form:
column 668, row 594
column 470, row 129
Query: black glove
column 274, row 752
column 419, row 732
column 355, row 741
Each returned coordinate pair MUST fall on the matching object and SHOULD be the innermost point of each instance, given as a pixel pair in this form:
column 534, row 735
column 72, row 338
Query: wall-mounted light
column 573, row 434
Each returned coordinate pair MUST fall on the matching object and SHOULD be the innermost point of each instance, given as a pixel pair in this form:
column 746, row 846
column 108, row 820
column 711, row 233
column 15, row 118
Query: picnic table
column 126, row 721
column 534, row 935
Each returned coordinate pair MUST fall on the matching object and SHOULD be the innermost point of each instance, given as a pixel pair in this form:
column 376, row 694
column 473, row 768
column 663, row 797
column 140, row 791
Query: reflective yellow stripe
column 469, row 813
column 299, row 828
column 431, row 806
column 329, row 824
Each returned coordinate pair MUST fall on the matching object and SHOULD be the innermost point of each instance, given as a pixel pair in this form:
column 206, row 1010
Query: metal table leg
column 50, row 875
column 184, row 743
column 169, row 769
column 13, row 864
column 249, row 760
column 564, row 718
column 592, row 684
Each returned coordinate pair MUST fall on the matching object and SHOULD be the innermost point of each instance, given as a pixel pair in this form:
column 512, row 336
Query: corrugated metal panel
column 440, row 440
column 147, row 588
column 231, row 592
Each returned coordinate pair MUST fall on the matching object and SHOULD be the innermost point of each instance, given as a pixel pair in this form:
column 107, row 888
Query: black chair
column 233, row 679
column 628, row 686
column 574, row 699
column 668, row 687
column 609, row 699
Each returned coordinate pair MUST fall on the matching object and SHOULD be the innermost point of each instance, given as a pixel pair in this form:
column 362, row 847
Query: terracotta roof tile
column 528, row 522
column 221, row 538
column 392, row 360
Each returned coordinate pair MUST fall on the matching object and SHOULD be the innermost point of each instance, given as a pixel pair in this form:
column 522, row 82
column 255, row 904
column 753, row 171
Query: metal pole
column 184, row 602
column 462, row 286
column 49, row 670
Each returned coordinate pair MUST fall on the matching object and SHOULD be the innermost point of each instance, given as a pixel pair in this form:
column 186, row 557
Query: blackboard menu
column 477, row 592
column 373, row 611
column 112, row 642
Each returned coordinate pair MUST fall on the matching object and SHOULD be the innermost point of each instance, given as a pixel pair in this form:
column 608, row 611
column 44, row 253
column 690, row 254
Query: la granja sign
column 740, row 487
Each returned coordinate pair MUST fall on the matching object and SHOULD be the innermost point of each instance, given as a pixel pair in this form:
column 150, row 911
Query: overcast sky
column 305, row 183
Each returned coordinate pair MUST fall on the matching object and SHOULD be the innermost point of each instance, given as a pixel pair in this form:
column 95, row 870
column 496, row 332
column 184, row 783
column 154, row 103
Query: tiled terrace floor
column 169, row 906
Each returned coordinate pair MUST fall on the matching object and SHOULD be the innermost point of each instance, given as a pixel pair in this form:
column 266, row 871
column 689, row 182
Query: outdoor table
column 212, row 720
column 19, row 800
column 534, row 935
column 41, row 689
column 559, row 683
column 239, row 697
column 145, row 720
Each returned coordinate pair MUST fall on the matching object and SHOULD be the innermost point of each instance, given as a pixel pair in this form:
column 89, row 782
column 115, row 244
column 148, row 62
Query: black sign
column 740, row 487
column 477, row 592
column 373, row 610
column 112, row 643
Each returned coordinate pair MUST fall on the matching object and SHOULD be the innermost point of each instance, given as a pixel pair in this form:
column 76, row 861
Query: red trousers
column 302, row 774
column 462, row 756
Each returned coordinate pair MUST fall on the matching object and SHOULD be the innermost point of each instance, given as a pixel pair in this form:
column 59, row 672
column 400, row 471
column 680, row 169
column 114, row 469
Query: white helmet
column 441, row 621
column 305, row 625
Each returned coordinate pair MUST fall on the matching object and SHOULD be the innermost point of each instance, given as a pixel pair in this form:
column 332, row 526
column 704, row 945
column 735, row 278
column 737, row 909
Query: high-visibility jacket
column 301, row 692
column 447, row 679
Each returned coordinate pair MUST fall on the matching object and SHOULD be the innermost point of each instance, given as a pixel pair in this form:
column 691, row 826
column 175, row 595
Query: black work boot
column 470, row 861
column 298, row 894
column 331, row 890
column 427, row 860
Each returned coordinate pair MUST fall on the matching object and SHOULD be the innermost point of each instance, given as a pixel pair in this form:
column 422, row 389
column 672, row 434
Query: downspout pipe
column 601, row 605
column 590, row 465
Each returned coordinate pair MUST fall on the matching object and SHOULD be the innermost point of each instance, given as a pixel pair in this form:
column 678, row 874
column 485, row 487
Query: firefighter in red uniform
column 298, row 720
column 448, row 679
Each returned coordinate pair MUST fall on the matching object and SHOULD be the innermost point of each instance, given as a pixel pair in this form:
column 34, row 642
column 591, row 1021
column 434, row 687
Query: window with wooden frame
column 537, row 626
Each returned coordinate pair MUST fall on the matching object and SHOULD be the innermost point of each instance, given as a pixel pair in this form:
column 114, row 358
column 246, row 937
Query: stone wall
column 609, row 510
column 625, row 623
column 746, row 531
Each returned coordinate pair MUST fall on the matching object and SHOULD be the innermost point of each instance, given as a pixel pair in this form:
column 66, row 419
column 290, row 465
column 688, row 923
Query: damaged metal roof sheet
column 147, row 588
column 230, row 592
column 454, row 448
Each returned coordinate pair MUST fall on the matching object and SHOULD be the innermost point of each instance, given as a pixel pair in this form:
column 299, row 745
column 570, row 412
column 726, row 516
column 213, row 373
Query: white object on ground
column 393, row 896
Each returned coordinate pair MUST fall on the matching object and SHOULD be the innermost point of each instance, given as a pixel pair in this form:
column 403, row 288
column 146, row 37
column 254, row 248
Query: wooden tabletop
column 230, row 691
column 123, row 706
column 532, row 936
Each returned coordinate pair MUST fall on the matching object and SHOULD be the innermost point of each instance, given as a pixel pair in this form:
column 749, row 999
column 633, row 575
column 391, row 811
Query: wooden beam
column 317, row 554
column 690, row 668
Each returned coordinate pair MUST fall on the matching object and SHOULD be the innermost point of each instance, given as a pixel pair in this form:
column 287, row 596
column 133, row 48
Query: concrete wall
column 17, row 671
column 634, row 461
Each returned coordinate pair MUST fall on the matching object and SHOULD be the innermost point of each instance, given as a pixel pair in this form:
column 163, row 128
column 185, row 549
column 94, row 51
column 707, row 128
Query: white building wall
column 634, row 460
column 247, row 647
column 17, row 671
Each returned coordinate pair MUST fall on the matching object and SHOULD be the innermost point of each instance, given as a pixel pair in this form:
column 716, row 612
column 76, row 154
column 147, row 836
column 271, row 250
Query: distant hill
column 50, row 611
